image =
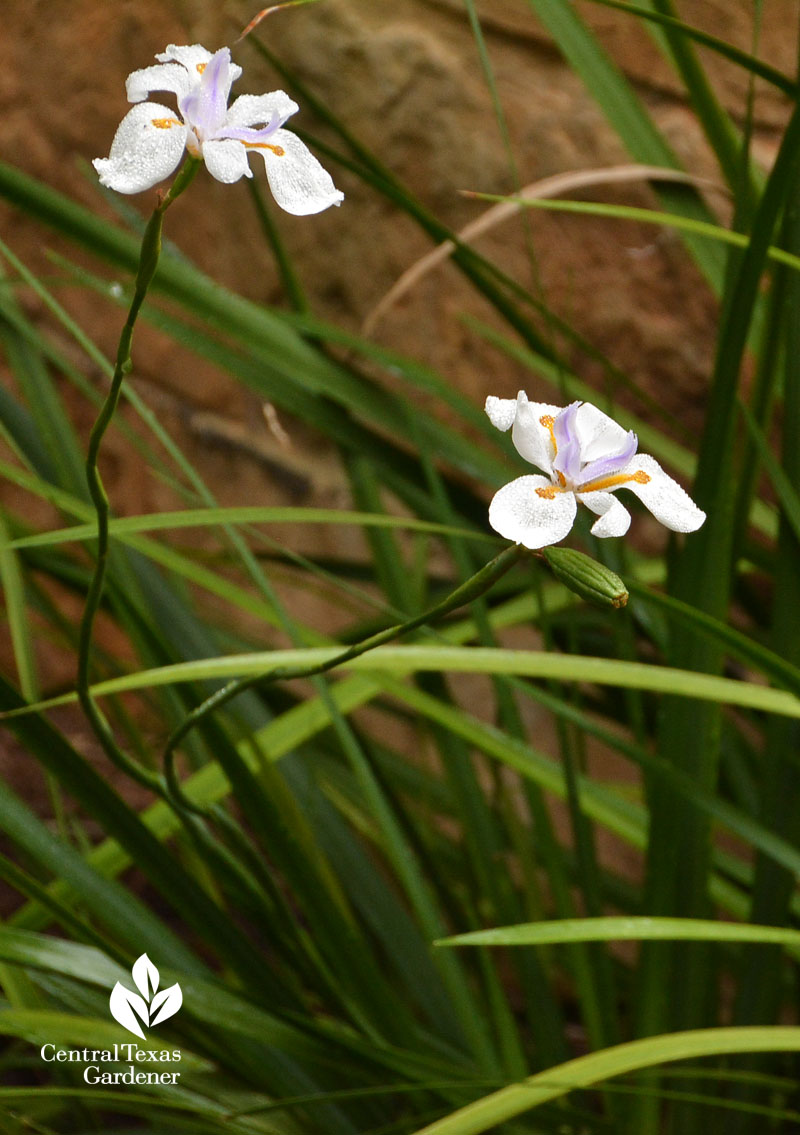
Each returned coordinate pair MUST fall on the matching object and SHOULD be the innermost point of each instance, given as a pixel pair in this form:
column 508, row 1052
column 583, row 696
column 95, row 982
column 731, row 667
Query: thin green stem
column 474, row 587
column 148, row 262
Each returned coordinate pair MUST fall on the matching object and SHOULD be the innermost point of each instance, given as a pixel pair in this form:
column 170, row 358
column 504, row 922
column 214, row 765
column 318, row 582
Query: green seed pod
column 586, row 577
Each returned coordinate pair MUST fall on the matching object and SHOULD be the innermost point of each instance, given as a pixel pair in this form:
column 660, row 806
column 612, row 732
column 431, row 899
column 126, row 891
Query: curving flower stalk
column 152, row 139
column 148, row 262
column 587, row 457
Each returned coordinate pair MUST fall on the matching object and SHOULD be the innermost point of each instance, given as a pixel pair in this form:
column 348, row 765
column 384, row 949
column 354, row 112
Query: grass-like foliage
column 396, row 901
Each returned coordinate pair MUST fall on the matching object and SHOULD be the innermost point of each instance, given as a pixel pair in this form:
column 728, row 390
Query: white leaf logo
column 152, row 1007
column 165, row 1004
column 145, row 975
column 123, row 1003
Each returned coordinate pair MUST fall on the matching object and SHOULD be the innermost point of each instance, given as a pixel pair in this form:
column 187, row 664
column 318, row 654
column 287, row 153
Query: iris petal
column 193, row 57
column 565, row 430
column 606, row 466
column 599, row 435
column 532, row 439
column 533, row 519
column 501, row 412
column 247, row 134
column 161, row 77
column 250, row 110
column 147, row 147
column 226, row 160
column 298, row 182
column 615, row 520
column 663, row 496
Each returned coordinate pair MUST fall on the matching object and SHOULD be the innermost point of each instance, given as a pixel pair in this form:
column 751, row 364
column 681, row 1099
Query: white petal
column 664, row 497
column 194, row 59
column 189, row 56
column 253, row 110
column 520, row 514
column 143, row 153
column 161, row 77
column 501, row 412
column 532, row 440
column 615, row 520
column 298, row 182
column 599, row 435
column 226, row 160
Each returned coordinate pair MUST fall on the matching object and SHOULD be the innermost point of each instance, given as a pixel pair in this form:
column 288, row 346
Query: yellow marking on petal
column 165, row 123
column 548, row 493
column 562, row 480
column 640, row 477
column 278, row 151
column 548, row 421
column 201, row 67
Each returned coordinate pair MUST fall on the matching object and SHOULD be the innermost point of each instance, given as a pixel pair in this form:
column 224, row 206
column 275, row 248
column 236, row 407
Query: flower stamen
column 201, row 67
column 640, row 477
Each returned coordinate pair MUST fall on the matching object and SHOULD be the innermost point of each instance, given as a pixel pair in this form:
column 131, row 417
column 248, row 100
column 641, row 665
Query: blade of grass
column 586, row 1071
column 622, row 930
column 13, row 586
column 240, row 514
column 699, row 228
column 694, row 685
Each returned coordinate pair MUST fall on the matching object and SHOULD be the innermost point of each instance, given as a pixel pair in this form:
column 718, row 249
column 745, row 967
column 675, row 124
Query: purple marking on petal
column 568, row 458
column 248, row 135
column 190, row 107
column 206, row 106
column 608, row 466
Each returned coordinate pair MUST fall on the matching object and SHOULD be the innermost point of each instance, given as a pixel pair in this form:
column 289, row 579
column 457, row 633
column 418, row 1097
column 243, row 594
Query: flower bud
column 586, row 577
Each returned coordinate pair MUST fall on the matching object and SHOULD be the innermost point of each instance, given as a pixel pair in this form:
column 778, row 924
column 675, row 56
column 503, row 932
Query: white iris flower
column 587, row 456
column 151, row 139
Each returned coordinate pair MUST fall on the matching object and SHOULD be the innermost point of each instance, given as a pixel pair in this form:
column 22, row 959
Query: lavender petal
column 568, row 457
column 613, row 463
